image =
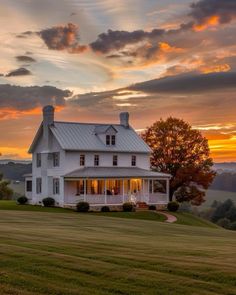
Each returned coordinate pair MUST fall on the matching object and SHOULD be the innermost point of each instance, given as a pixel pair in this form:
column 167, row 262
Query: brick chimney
column 124, row 119
column 48, row 119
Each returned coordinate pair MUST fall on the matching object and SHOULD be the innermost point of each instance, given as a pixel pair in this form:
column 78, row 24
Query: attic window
column 113, row 140
column 110, row 140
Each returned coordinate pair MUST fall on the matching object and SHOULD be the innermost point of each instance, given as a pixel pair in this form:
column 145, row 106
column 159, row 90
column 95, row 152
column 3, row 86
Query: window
column 80, row 187
column 108, row 140
column 96, row 160
column 29, row 185
column 133, row 160
column 38, row 185
column 113, row 140
column 38, row 160
column 56, row 159
column 115, row 160
column 56, row 186
column 82, row 160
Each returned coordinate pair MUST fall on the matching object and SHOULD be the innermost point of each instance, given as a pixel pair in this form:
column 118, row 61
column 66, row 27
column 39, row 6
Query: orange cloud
column 212, row 21
column 215, row 68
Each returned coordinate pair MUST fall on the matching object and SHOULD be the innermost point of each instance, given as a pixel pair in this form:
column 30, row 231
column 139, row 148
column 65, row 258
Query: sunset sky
column 95, row 58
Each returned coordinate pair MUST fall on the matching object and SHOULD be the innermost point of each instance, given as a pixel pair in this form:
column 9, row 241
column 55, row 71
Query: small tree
column 184, row 153
column 6, row 192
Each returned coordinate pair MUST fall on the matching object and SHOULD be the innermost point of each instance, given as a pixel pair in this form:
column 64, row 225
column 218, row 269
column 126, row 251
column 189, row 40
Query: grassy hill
column 48, row 253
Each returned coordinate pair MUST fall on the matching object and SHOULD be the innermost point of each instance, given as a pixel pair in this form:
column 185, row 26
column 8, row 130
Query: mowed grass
column 47, row 253
column 193, row 220
column 144, row 215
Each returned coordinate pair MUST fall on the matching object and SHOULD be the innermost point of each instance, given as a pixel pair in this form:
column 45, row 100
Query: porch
column 151, row 187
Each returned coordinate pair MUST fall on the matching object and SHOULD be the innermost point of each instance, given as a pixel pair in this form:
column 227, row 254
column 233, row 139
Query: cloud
column 25, row 58
column 188, row 83
column 212, row 12
column 16, row 100
column 63, row 38
column 19, row 72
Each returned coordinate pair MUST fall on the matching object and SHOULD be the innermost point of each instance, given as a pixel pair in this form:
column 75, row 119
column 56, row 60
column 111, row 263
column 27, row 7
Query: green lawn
column 190, row 219
column 12, row 205
column 47, row 253
column 144, row 215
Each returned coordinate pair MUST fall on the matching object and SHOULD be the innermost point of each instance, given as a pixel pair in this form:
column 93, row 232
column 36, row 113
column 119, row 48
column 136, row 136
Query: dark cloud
column 19, row 72
column 28, row 98
column 203, row 10
column 63, row 38
column 188, row 83
column 25, row 58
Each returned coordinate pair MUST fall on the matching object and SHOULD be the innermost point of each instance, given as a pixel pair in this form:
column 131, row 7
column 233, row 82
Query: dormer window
column 113, row 140
column 133, row 160
column 108, row 139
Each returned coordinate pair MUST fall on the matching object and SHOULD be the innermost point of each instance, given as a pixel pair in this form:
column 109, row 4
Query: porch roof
column 114, row 172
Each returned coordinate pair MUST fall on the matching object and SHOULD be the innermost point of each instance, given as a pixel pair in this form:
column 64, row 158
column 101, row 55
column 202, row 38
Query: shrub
column 48, row 202
column 233, row 226
column 152, row 207
column 173, row 206
column 128, row 207
column 82, row 206
column 224, row 222
column 105, row 209
column 22, row 200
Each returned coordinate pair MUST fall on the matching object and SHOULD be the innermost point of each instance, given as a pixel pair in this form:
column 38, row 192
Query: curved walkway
column 170, row 218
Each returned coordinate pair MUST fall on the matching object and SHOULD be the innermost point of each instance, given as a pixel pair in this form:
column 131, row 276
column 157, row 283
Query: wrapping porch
column 111, row 191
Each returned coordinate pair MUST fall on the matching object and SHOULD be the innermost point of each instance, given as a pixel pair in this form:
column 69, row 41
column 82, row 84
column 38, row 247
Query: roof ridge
column 84, row 123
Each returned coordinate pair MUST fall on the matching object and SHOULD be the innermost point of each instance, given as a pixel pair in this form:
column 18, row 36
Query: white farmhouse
column 103, row 164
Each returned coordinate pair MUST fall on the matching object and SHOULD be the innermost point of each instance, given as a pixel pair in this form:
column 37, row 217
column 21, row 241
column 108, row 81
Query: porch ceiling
column 114, row 172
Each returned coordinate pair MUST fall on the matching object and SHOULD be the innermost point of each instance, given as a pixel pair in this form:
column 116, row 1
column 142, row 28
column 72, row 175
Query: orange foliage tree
column 184, row 153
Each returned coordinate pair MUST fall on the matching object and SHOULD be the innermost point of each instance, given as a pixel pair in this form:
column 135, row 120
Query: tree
column 184, row 153
column 6, row 192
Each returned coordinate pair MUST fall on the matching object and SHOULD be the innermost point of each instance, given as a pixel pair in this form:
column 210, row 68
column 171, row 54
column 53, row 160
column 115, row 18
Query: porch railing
column 155, row 198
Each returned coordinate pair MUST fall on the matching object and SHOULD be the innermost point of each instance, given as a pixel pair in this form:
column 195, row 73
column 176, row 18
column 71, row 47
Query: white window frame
column 56, row 159
column 115, row 160
column 38, row 185
column 96, row 160
column 56, row 186
column 133, row 160
column 38, row 160
column 82, row 160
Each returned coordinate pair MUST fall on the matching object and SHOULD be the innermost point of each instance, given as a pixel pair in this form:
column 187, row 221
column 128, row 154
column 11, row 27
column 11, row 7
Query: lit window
column 115, row 160
column 38, row 160
column 113, row 140
column 56, row 186
column 133, row 161
column 82, row 160
column 29, row 185
column 56, row 159
column 38, row 185
column 96, row 160
column 108, row 140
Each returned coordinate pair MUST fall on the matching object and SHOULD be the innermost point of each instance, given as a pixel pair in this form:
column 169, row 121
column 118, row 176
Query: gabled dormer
column 107, row 134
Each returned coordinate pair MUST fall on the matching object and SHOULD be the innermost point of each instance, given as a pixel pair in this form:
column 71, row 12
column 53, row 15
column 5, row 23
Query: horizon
column 92, row 60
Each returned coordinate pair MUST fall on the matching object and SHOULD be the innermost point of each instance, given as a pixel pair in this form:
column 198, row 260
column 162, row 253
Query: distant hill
column 15, row 171
column 225, row 167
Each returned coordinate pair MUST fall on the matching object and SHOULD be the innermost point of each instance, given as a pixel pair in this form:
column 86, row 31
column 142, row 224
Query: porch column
column 123, row 190
column 148, row 192
column 105, row 187
column 143, row 191
column 168, row 189
column 85, row 189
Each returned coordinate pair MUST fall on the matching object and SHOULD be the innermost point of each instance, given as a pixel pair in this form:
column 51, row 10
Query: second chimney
column 124, row 119
column 48, row 119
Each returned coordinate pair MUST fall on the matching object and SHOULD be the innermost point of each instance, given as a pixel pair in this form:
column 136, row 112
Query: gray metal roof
column 117, row 172
column 81, row 136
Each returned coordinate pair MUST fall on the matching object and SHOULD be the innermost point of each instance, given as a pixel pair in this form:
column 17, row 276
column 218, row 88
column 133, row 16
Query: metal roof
column 81, row 136
column 117, row 172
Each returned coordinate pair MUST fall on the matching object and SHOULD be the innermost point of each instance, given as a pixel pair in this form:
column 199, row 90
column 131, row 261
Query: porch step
column 142, row 205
